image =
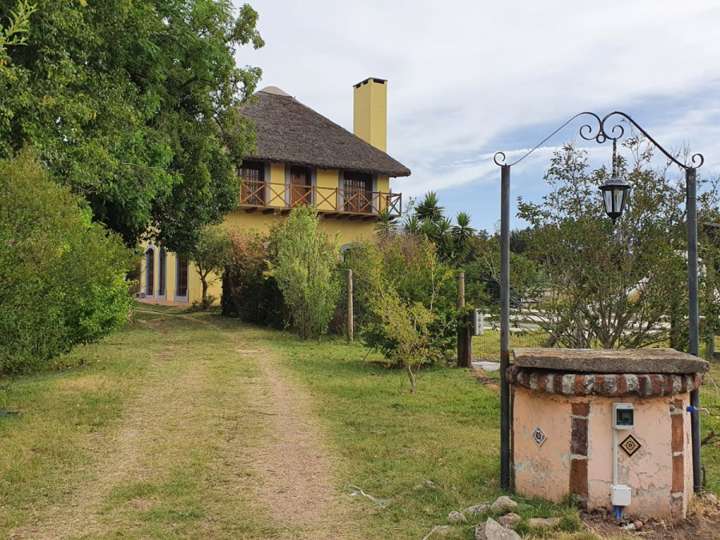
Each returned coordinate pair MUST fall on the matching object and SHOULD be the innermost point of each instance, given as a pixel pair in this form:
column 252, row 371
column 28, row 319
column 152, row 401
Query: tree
column 134, row 106
column 305, row 267
column 611, row 285
column 62, row 277
column 211, row 253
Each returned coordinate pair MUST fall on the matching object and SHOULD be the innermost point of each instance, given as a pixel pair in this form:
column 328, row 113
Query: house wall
column 194, row 283
column 345, row 232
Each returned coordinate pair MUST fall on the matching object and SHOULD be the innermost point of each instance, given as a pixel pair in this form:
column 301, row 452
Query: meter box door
column 623, row 416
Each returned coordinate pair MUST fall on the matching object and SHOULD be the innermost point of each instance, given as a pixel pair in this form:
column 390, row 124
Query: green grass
column 427, row 453
column 393, row 442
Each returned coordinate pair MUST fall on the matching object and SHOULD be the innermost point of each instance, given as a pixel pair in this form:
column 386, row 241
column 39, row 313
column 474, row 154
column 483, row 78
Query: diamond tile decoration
column 539, row 436
column 630, row 444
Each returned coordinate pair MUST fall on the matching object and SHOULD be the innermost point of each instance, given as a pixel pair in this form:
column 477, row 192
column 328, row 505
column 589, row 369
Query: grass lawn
column 151, row 434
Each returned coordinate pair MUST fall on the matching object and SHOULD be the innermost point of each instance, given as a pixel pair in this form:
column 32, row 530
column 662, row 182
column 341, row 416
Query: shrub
column 62, row 277
column 418, row 289
column 401, row 331
column 305, row 267
column 211, row 253
column 365, row 260
column 248, row 291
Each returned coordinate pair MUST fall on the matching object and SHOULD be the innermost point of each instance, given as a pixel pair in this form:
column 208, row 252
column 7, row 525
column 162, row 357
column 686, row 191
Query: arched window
column 163, row 272
column 182, row 276
column 149, row 271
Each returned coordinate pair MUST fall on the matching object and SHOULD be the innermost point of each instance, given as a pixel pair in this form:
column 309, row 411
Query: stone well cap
column 609, row 360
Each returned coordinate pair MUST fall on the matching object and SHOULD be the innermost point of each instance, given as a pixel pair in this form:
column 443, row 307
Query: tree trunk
column 411, row 376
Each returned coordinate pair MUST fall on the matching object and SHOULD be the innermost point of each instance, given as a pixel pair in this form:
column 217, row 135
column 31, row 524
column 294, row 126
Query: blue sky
column 467, row 78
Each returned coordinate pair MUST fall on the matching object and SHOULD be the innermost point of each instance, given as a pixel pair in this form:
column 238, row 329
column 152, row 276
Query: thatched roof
column 288, row 131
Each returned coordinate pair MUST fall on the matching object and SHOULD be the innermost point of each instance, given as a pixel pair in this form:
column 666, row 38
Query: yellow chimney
column 370, row 111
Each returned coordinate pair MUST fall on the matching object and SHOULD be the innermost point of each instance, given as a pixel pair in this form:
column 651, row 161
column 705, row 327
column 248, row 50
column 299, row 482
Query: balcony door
column 300, row 188
column 252, row 175
column 357, row 190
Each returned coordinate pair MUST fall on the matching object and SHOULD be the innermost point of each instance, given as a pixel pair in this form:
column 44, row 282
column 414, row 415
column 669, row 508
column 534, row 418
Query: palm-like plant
column 429, row 208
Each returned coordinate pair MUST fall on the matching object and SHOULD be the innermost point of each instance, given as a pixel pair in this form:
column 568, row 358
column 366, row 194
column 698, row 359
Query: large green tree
column 133, row 104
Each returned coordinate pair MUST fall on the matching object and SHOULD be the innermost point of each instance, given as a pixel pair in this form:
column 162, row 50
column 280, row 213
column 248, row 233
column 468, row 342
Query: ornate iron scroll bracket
column 601, row 130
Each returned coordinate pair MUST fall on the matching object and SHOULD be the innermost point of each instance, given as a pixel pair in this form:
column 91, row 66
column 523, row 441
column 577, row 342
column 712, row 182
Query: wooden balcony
column 331, row 202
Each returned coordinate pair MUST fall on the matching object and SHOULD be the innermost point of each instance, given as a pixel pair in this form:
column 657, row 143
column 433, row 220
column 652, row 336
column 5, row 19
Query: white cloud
column 469, row 77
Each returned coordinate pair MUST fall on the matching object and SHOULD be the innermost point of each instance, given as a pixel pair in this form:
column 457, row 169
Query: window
column 252, row 175
column 149, row 271
column 182, row 276
column 357, row 192
column 163, row 272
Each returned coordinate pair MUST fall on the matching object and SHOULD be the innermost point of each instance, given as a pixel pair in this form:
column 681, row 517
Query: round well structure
column 608, row 427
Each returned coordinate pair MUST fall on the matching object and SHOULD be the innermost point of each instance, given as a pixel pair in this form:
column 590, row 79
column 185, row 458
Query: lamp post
column 614, row 196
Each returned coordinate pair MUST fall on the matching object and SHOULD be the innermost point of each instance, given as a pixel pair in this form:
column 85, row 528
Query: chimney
column 370, row 111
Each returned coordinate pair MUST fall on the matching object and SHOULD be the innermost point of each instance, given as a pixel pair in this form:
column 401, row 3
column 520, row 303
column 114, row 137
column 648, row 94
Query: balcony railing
column 336, row 202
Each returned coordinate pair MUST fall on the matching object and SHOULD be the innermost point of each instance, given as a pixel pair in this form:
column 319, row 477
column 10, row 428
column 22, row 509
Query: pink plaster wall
column 544, row 471
column 541, row 471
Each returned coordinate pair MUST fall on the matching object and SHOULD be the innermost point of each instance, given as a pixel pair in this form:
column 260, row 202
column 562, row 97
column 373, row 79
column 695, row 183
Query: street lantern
column 614, row 194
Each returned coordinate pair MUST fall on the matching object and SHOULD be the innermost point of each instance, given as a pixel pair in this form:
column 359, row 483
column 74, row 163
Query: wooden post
column 350, row 316
column 464, row 332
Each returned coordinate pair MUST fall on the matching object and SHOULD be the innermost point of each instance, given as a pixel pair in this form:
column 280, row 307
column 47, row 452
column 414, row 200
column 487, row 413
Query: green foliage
column 61, row 276
column 422, row 290
column 454, row 243
column 248, row 291
column 305, row 267
column 365, row 260
column 15, row 33
column 133, row 105
column 609, row 285
column 211, row 253
column 405, row 329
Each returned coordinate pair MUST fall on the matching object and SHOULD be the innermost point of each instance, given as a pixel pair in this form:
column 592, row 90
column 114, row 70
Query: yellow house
column 301, row 158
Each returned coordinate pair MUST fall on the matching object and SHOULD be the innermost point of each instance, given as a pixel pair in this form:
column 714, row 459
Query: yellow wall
column 344, row 231
column 370, row 112
column 194, row 285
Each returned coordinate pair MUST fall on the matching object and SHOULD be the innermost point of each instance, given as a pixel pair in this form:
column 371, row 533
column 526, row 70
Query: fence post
column 464, row 332
column 350, row 316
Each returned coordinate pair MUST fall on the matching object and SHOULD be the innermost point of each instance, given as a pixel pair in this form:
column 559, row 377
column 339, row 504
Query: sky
column 469, row 78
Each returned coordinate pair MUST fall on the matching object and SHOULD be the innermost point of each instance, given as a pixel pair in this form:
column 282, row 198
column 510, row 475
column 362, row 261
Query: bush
column 305, row 267
column 248, row 291
column 62, row 277
column 420, row 289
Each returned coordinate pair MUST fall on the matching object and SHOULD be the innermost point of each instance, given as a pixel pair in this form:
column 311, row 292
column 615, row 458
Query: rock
column 711, row 498
column 476, row 510
column 456, row 517
column 543, row 523
column 480, row 532
column 628, row 527
column 503, row 504
column 510, row 520
column 495, row 531
column 638, row 524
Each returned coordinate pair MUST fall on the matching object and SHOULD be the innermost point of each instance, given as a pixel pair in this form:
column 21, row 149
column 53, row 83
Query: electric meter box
column 623, row 416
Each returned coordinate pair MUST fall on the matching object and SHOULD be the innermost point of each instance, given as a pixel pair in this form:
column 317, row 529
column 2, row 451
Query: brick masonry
column 677, row 426
column 603, row 384
column 579, row 452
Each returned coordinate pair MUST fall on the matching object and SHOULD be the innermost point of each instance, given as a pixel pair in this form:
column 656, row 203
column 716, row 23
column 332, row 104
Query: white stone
column 495, row 531
column 543, row 523
column 476, row 510
column 503, row 504
column 455, row 517
column 510, row 520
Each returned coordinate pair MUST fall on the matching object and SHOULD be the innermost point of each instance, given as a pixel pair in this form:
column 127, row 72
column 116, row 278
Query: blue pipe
column 618, row 512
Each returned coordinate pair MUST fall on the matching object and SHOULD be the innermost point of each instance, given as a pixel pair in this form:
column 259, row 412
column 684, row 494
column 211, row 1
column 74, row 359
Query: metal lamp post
column 614, row 196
